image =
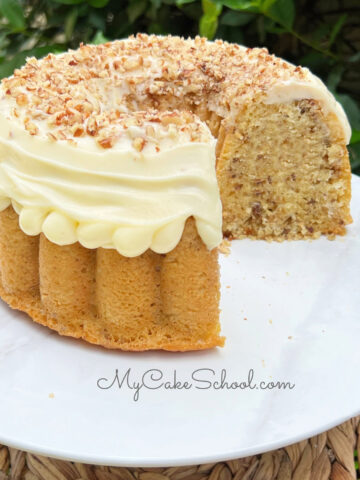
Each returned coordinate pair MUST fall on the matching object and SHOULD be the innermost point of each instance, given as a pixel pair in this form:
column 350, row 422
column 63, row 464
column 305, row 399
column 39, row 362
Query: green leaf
column 351, row 108
column 7, row 67
column 70, row 23
column 266, row 4
column 13, row 12
column 211, row 8
column 180, row 3
column 207, row 26
column 336, row 29
column 98, row 3
column 69, row 2
column 236, row 19
column 135, row 9
column 99, row 38
column 282, row 11
column 209, row 21
column 334, row 77
column 355, row 137
column 242, row 5
column 96, row 19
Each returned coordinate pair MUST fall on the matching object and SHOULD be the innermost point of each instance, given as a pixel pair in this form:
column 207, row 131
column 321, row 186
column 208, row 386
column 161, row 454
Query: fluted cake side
column 152, row 301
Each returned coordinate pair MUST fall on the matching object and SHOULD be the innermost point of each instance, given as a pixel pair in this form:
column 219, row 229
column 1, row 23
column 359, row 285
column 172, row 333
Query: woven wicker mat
column 328, row 456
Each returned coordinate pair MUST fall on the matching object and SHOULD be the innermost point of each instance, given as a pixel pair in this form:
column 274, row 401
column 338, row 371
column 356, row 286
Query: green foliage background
column 323, row 35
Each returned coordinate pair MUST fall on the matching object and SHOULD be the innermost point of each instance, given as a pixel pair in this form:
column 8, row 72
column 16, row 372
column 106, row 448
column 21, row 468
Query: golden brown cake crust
column 32, row 306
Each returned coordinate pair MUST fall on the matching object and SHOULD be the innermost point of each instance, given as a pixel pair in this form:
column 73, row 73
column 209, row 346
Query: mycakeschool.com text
column 199, row 379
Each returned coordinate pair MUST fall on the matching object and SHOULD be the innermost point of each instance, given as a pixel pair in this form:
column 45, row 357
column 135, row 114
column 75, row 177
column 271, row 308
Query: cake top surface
column 68, row 94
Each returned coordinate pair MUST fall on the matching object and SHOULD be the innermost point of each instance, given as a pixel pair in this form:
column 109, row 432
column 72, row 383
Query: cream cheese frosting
column 122, row 198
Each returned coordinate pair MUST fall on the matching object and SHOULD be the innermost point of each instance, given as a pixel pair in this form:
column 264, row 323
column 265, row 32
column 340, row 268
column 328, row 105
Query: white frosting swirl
column 112, row 198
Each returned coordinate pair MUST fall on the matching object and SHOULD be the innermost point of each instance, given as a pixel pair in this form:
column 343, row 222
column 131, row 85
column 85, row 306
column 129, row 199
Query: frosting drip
column 117, row 198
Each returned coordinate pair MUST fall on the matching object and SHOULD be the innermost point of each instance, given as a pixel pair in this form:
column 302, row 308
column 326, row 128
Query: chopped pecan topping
column 93, row 91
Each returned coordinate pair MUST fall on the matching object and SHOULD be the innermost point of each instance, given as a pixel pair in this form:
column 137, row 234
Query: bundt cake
column 114, row 246
column 105, row 157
